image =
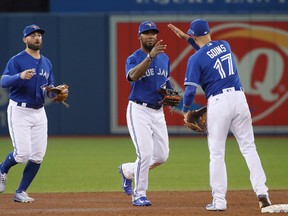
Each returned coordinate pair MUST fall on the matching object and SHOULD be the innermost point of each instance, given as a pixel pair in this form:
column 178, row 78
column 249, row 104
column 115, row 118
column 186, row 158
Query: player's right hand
column 27, row 74
column 158, row 48
column 178, row 32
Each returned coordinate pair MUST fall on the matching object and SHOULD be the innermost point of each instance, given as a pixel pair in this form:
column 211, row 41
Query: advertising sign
column 260, row 48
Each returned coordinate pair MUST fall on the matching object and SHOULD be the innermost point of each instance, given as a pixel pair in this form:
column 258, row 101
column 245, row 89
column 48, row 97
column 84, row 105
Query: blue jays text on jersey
column 156, row 76
column 27, row 91
column 151, row 72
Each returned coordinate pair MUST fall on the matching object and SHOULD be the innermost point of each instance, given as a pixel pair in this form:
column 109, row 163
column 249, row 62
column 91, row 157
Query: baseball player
column 147, row 70
column 27, row 74
column 213, row 68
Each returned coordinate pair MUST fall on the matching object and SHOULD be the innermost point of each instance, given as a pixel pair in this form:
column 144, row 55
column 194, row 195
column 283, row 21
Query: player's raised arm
column 184, row 36
column 178, row 32
column 138, row 71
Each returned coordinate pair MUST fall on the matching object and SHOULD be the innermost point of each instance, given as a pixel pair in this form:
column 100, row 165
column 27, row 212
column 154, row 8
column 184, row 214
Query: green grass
column 91, row 165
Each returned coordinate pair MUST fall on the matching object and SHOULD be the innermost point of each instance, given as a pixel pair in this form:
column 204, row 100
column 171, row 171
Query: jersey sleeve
column 130, row 64
column 188, row 97
column 11, row 74
column 192, row 72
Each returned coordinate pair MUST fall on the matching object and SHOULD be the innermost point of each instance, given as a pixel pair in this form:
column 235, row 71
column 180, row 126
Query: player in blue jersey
column 27, row 74
column 213, row 67
column 147, row 70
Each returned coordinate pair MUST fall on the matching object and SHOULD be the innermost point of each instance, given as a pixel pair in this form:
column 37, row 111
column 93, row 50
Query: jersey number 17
column 218, row 65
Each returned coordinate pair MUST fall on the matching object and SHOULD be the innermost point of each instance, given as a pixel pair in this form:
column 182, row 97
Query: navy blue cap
column 198, row 27
column 146, row 26
column 32, row 28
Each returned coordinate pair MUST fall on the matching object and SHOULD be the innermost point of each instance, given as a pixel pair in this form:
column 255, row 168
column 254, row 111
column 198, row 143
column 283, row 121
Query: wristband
column 149, row 57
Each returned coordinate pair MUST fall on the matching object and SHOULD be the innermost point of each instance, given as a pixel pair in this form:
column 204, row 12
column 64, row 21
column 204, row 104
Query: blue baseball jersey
column 28, row 91
column 213, row 67
column 157, row 75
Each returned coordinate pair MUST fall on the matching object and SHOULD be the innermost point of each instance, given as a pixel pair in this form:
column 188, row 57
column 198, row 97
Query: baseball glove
column 171, row 97
column 58, row 94
column 196, row 120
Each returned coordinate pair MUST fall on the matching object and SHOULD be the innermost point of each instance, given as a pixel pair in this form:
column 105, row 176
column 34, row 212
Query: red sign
column 261, row 51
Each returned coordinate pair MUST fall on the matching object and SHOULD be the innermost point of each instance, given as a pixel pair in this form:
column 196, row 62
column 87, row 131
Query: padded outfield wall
column 259, row 44
column 78, row 47
column 88, row 52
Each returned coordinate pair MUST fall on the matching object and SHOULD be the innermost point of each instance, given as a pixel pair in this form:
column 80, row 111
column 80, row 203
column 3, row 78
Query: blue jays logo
column 35, row 27
column 150, row 24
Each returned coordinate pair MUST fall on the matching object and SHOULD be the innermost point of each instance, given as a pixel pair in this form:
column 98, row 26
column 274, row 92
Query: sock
column 8, row 163
column 29, row 174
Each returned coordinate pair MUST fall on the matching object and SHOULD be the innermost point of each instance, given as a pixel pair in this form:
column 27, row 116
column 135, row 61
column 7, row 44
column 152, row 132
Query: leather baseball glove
column 58, row 93
column 171, row 97
column 196, row 120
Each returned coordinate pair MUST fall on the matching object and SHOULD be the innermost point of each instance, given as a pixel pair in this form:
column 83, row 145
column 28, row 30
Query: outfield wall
column 78, row 47
column 88, row 52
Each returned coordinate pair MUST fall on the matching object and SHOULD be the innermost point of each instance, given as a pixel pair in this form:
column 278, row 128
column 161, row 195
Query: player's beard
column 148, row 47
column 34, row 47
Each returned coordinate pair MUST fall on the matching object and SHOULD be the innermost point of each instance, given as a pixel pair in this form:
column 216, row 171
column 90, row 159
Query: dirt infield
column 240, row 203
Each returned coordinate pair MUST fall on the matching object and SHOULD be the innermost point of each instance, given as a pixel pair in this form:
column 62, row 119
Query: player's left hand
column 58, row 93
column 196, row 120
column 171, row 97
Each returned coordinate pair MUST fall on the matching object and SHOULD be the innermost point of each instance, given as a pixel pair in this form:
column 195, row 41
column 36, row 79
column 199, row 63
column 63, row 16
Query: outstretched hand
column 158, row 48
column 178, row 32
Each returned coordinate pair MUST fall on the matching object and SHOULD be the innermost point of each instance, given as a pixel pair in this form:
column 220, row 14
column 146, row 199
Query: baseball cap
column 198, row 27
column 32, row 28
column 146, row 26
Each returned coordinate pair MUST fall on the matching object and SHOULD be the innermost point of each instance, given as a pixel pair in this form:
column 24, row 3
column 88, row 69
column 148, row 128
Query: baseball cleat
column 3, row 179
column 22, row 197
column 141, row 201
column 264, row 201
column 212, row 207
column 126, row 183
